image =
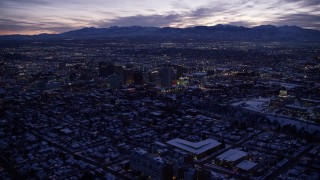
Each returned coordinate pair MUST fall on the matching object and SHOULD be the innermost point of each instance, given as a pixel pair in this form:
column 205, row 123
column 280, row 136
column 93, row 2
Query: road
column 71, row 153
column 288, row 164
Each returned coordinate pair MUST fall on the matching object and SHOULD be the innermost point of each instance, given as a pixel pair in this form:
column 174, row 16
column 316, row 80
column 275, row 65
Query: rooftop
column 232, row 155
column 246, row 165
column 140, row 151
column 194, row 147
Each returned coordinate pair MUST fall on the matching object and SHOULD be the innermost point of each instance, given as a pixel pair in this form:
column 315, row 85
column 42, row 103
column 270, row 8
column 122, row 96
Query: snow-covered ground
column 259, row 105
column 298, row 123
column 255, row 104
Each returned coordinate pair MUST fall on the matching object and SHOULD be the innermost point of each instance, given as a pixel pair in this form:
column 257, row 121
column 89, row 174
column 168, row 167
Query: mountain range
column 217, row 32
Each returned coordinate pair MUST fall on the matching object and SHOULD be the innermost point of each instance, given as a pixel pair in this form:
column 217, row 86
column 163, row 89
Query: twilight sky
column 55, row 16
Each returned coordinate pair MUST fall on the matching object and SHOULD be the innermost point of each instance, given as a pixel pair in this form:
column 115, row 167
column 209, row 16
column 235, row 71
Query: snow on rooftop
column 246, row 165
column 286, row 85
column 199, row 73
column 296, row 106
column 140, row 151
column 232, row 155
column 66, row 130
column 159, row 143
column 222, row 69
column 310, row 100
column 159, row 159
column 194, row 147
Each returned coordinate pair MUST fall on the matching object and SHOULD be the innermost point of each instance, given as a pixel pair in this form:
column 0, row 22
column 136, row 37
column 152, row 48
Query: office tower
column 166, row 77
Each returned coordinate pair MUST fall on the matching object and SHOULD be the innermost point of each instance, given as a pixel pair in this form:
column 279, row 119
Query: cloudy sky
column 55, row 16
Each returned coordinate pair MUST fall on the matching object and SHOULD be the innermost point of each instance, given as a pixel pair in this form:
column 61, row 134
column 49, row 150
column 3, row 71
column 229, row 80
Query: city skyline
column 43, row 16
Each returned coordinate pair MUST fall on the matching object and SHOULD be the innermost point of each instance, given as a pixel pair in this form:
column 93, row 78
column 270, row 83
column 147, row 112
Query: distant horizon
column 158, row 27
column 31, row 17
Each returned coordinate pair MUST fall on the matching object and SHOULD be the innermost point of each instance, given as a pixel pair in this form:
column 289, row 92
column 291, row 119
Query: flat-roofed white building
column 246, row 165
column 198, row 149
column 231, row 157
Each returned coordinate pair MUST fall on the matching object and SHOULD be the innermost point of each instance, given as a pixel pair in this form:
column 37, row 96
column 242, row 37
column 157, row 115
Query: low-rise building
column 197, row 149
column 150, row 165
column 231, row 157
